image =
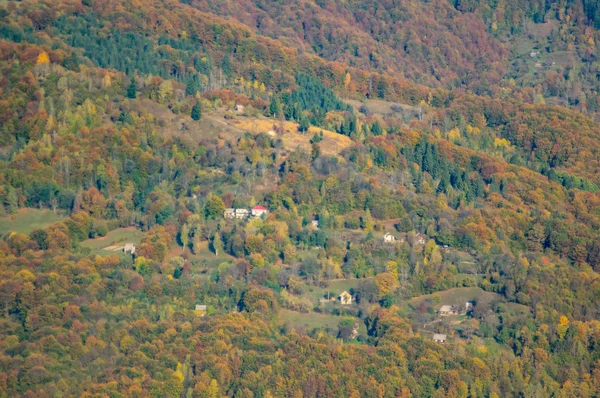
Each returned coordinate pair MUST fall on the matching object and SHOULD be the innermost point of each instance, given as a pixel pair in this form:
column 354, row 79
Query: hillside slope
column 390, row 153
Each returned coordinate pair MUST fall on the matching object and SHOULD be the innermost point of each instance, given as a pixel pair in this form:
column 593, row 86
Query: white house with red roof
column 258, row 211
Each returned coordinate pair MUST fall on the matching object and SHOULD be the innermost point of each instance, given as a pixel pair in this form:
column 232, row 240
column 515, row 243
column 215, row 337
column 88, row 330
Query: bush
column 352, row 222
column 404, row 225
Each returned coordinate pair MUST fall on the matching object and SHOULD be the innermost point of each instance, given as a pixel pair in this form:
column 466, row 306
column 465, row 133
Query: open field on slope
column 385, row 108
column 309, row 320
column 332, row 144
column 214, row 124
column 461, row 295
column 171, row 124
column 336, row 287
column 115, row 240
column 204, row 257
column 455, row 296
column 26, row 220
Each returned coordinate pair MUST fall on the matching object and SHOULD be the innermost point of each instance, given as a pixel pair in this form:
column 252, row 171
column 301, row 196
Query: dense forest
column 188, row 191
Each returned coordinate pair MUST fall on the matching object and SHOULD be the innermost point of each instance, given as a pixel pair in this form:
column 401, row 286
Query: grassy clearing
column 516, row 309
column 312, row 320
column 26, row 220
column 469, row 277
column 180, row 125
column 332, row 144
column 541, row 31
column 337, row 287
column 213, row 124
column 382, row 108
column 454, row 296
column 205, row 257
column 309, row 320
column 535, row 38
column 114, row 241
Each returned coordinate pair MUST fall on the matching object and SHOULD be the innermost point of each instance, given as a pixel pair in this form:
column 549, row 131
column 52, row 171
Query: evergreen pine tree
column 226, row 65
column 353, row 124
column 192, row 86
column 304, row 124
column 443, row 185
column 217, row 244
column 315, row 150
column 376, row 129
column 132, row 89
column 346, row 128
column 197, row 111
column 275, row 107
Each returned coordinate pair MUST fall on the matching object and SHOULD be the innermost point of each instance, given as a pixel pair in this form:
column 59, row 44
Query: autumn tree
column 214, row 207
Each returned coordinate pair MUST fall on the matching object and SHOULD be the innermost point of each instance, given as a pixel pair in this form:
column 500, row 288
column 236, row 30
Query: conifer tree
column 197, row 111
column 132, row 89
column 275, row 107
column 217, row 244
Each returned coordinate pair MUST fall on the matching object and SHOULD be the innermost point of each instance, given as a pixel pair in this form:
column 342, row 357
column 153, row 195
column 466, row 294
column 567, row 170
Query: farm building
column 447, row 310
column 439, row 338
column 201, row 309
column 129, row 248
column 389, row 238
column 345, row 298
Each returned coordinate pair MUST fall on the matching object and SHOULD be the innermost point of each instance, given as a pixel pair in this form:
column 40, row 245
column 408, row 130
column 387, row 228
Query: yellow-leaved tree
column 43, row 58
column 563, row 325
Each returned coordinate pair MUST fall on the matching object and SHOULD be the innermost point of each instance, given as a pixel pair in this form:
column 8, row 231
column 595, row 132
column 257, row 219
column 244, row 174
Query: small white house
column 315, row 224
column 421, row 239
column 239, row 108
column 229, row 213
column 258, row 211
column 345, row 298
column 439, row 338
column 389, row 238
column 200, row 309
column 129, row 248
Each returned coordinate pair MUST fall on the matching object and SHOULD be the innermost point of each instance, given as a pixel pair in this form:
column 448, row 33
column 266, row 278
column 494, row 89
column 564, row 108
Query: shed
column 345, row 298
column 439, row 338
column 200, row 309
column 447, row 310
column 389, row 238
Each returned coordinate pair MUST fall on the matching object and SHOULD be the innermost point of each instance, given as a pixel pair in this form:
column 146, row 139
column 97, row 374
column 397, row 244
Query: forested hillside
column 306, row 199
